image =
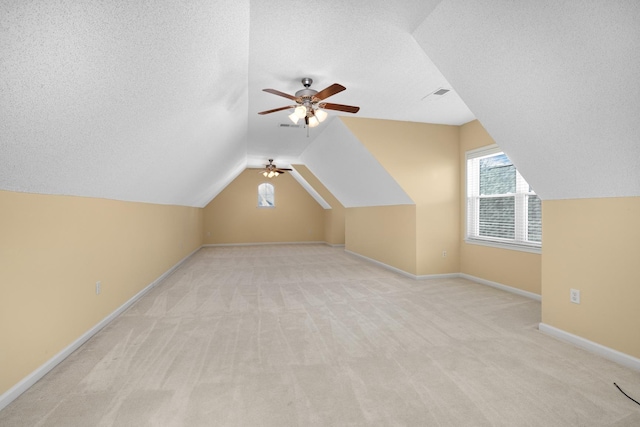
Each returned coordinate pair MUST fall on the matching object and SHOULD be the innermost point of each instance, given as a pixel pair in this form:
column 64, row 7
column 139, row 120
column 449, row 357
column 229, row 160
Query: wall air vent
column 441, row 91
column 288, row 125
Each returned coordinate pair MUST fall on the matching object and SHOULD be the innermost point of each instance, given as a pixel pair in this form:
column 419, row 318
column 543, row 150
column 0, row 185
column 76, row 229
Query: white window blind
column 502, row 208
column 266, row 195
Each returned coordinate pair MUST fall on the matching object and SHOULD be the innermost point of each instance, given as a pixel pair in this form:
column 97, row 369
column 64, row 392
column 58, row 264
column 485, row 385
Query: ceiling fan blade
column 281, row 170
column 327, row 92
column 277, row 92
column 339, row 107
column 277, row 109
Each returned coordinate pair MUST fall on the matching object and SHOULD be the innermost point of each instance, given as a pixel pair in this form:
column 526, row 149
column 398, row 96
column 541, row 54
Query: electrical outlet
column 575, row 296
column 98, row 287
column 444, row 254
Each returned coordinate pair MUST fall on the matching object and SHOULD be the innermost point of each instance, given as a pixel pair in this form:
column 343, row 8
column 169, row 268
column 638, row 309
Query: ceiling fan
column 272, row 170
column 309, row 103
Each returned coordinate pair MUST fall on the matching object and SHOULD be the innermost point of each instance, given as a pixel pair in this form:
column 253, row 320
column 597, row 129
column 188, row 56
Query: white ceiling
column 556, row 83
column 331, row 158
column 157, row 101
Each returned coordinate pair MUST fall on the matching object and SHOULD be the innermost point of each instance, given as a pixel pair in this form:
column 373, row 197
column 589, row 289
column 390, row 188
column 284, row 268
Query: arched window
column 266, row 197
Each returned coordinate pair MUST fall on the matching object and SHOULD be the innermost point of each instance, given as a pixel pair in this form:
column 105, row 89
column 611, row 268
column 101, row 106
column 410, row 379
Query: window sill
column 511, row 246
column 266, row 207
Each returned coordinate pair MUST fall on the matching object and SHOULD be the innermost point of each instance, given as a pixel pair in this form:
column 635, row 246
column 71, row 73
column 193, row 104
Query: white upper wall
column 349, row 171
column 555, row 83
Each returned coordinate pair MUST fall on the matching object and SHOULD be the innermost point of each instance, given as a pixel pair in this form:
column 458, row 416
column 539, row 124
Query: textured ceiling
column 557, row 85
column 364, row 45
column 123, row 100
column 157, row 101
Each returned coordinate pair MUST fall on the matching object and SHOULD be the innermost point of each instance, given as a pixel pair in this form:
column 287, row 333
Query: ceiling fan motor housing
column 306, row 95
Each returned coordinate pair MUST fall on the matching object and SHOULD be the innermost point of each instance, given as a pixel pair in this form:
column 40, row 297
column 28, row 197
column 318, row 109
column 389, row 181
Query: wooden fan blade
column 340, row 107
column 327, row 92
column 277, row 109
column 277, row 92
column 283, row 169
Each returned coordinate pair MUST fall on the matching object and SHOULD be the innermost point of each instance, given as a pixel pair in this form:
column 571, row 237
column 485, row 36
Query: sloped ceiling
column 556, row 84
column 123, row 100
column 157, row 101
column 331, row 158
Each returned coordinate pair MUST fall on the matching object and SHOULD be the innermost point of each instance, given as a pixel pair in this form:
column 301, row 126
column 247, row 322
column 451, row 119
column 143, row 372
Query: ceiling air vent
column 436, row 94
column 288, row 125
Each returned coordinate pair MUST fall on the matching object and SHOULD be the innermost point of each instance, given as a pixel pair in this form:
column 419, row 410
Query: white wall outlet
column 98, row 287
column 575, row 296
column 444, row 254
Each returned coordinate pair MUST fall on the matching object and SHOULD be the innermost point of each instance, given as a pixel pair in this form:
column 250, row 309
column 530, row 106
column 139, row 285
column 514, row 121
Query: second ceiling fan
column 309, row 103
column 272, row 170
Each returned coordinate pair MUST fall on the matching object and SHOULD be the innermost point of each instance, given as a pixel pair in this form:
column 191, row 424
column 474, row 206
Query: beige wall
column 334, row 217
column 233, row 216
column 592, row 245
column 53, row 249
column 384, row 233
column 423, row 159
column 521, row 270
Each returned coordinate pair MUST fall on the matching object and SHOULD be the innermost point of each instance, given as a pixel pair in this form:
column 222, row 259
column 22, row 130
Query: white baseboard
column 452, row 276
column 404, row 273
column 593, row 347
column 501, row 286
column 381, row 264
column 10, row 395
column 437, row 276
column 216, row 245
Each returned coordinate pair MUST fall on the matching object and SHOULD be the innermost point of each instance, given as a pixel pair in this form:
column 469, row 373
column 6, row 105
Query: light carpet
column 307, row 335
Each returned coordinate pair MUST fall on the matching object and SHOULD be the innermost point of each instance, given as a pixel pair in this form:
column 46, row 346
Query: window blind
column 501, row 206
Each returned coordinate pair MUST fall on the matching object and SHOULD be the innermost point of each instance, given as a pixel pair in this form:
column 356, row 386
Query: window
column 266, row 196
column 502, row 209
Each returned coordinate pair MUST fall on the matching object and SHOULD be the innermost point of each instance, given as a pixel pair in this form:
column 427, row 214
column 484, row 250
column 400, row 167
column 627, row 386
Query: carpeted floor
column 307, row 335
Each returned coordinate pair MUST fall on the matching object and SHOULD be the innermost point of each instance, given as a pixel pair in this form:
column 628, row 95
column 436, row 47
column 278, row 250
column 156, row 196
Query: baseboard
column 438, row 276
column 478, row 280
column 10, row 395
column 216, row 245
column 335, row 245
column 501, row 286
column 404, row 273
column 381, row 264
column 593, row 347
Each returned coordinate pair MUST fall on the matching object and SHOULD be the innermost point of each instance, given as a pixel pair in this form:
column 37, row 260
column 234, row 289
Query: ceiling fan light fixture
column 270, row 174
column 301, row 111
column 276, row 173
column 265, row 173
column 294, row 118
column 321, row 115
column 313, row 121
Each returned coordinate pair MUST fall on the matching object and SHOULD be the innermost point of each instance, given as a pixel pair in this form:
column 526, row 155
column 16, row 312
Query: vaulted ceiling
column 157, row 101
